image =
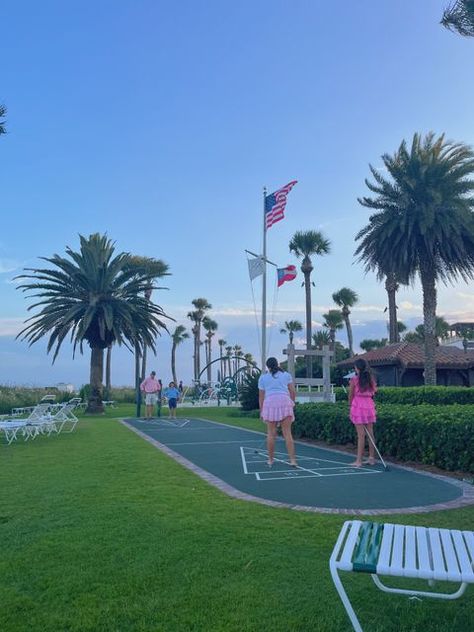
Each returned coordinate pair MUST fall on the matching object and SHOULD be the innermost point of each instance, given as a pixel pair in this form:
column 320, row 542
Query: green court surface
column 324, row 479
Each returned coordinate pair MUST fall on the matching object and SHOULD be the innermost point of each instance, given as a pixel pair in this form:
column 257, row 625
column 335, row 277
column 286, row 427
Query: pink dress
column 362, row 406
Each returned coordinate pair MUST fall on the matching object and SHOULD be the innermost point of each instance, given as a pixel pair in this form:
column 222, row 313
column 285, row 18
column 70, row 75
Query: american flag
column 275, row 204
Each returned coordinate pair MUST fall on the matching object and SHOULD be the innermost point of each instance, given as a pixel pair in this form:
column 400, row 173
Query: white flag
column 256, row 267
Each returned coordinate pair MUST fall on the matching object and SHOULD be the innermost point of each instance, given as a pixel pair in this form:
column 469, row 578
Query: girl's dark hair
column 273, row 366
column 366, row 377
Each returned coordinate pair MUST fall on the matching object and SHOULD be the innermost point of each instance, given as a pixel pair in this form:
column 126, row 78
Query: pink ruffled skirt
column 363, row 410
column 277, row 407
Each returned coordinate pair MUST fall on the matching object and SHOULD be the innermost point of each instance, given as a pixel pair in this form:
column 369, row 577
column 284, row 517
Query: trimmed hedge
column 415, row 395
column 433, row 435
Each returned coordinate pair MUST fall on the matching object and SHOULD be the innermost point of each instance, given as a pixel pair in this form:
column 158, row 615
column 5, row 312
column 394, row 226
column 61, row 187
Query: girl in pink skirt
column 362, row 408
column 276, row 398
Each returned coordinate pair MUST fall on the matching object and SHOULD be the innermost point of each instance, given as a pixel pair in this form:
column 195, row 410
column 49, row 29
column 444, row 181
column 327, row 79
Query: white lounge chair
column 65, row 416
column 402, row 551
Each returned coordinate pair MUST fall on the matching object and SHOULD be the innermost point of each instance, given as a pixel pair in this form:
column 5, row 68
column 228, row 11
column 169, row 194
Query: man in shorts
column 150, row 387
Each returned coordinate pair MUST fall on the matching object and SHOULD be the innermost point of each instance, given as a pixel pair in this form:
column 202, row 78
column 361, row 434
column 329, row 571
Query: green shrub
column 433, row 435
column 248, row 393
column 23, row 396
column 414, row 395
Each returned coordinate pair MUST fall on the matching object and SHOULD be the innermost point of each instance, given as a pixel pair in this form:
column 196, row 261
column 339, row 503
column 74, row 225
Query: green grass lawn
column 102, row 532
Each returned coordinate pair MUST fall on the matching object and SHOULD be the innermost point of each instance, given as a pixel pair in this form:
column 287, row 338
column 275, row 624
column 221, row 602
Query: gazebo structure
column 312, row 389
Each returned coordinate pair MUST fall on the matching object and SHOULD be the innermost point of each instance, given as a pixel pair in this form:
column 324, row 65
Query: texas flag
column 286, row 274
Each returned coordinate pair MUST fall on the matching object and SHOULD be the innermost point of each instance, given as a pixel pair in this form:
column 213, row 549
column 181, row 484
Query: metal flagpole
column 264, row 287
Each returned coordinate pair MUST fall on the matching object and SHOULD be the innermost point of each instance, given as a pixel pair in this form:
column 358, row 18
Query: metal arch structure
column 253, row 364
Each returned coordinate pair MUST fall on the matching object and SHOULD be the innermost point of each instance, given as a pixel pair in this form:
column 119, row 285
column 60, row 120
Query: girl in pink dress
column 362, row 408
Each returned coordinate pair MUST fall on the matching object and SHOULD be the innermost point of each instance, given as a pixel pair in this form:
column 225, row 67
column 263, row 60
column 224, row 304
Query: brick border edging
column 465, row 500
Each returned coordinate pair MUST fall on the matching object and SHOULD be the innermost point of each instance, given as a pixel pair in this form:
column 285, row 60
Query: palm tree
column 156, row 269
column 321, row 339
column 228, row 351
column 194, row 318
column 304, row 245
column 96, row 297
column 3, row 111
column 248, row 357
column 333, row 321
column 345, row 299
column 211, row 327
column 442, row 328
column 423, row 222
column 460, row 17
column 222, row 343
column 373, row 343
column 178, row 336
column 401, row 328
column 201, row 306
column 291, row 327
column 237, row 353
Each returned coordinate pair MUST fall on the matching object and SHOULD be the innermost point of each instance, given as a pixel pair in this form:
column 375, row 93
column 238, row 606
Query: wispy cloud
column 9, row 265
column 11, row 326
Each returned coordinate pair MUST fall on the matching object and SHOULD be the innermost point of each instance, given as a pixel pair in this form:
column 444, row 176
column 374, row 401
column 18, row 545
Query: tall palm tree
column 201, row 306
column 248, row 357
column 305, row 244
column 210, row 327
column 321, row 338
column 459, row 16
column 237, row 353
column 222, row 343
column 178, row 336
column 94, row 296
column 333, row 321
column 346, row 298
column 157, row 269
column 195, row 319
column 290, row 328
column 3, row 111
column 228, row 352
column 423, row 222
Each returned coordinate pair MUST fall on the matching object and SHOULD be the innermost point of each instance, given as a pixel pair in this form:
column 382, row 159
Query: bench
column 402, row 551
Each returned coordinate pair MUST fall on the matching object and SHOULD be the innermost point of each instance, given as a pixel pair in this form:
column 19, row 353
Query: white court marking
column 344, row 469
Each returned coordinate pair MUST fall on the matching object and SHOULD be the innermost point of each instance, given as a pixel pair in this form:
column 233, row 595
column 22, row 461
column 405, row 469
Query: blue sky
column 160, row 122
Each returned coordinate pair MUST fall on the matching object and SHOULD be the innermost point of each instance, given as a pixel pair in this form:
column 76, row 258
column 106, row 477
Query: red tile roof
column 411, row 355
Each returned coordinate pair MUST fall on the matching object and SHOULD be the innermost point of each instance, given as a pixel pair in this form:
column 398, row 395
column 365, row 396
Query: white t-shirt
column 273, row 384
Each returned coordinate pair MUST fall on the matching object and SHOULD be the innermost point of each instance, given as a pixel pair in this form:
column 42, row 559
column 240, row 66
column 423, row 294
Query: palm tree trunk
column 429, row 325
column 221, row 364
column 391, row 287
column 230, row 367
column 198, row 351
column 196, row 372
column 138, row 395
column 307, row 289
column 173, row 362
column 144, row 358
column 209, row 368
column 349, row 333
column 95, row 404
column 108, row 363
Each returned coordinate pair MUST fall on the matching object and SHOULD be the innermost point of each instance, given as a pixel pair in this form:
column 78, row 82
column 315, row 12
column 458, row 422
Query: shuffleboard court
column 323, row 481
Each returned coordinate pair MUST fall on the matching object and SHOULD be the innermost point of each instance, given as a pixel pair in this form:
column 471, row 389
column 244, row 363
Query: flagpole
column 264, row 287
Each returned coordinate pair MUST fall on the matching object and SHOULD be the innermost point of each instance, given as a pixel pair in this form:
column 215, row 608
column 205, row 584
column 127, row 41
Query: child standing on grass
column 172, row 393
column 362, row 408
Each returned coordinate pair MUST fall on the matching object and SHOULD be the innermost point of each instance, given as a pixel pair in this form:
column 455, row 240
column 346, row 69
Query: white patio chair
column 11, row 429
column 65, row 416
column 402, row 551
